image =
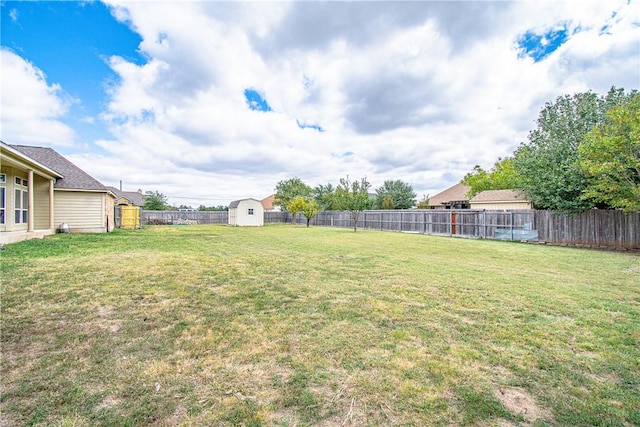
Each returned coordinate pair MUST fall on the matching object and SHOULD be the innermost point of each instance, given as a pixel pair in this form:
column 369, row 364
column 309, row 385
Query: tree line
column 583, row 154
column 295, row 196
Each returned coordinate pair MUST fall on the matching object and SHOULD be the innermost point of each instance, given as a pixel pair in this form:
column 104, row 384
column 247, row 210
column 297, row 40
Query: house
column 452, row 198
column 127, row 198
column 267, row 204
column 500, row 200
column 246, row 212
column 40, row 190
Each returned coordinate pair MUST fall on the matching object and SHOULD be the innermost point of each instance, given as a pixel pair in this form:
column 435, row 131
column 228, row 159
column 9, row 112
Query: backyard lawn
column 285, row 325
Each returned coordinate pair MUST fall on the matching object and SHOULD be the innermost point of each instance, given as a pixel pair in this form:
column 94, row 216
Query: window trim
column 20, row 211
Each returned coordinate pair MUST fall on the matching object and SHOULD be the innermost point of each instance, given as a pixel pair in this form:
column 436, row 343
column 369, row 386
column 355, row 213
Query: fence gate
column 129, row 217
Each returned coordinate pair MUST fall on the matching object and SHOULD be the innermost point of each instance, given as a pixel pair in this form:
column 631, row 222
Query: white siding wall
column 501, row 206
column 82, row 211
column 233, row 216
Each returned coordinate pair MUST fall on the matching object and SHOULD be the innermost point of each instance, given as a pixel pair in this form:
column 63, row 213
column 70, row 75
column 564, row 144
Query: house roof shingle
column 74, row 177
column 456, row 193
column 267, row 202
column 136, row 197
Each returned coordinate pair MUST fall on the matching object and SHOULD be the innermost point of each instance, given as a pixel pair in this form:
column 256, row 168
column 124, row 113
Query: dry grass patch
column 289, row 326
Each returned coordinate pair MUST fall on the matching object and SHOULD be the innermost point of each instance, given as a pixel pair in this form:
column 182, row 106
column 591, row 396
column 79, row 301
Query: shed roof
column 74, row 177
column 235, row 203
column 456, row 193
column 500, row 196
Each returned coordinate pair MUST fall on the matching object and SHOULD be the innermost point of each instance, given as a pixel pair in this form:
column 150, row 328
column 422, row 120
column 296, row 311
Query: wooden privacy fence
column 185, row 217
column 596, row 228
column 501, row 225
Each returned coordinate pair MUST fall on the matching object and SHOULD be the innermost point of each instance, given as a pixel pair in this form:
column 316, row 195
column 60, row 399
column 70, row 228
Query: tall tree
column 502, row 176
column 547, row 165
column 401, row 193
column 155, row 201
column 353, row 196
column 610, row 157
column 325, row 195
column 288, row 190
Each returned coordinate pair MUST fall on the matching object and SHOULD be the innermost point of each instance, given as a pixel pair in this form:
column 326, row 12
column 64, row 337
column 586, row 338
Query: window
column 21, row 203
column 3, row 178
column 2, row 204
column 250, row 211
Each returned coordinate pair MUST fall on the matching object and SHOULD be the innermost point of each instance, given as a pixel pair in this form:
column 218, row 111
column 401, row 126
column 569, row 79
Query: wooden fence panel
column 595, row 228
column 177, row 217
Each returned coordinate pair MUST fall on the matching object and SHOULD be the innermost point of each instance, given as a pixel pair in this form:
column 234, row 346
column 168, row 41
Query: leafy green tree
column 353, row 196
column 325, row 195
column 402, row 194
column 387, row 202
column 610, row 158
column 424, row 203
column 502, row 176
column 288, row 190
column 308, row 207
column 155, row 201
column 310, row 210
column 296, row 206
column 548, row 164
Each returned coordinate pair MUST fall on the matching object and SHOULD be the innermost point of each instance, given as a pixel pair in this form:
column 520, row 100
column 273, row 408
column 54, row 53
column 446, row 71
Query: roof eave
column 26, row 162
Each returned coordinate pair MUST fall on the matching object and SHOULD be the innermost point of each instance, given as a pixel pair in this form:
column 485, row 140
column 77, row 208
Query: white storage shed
column 246, row 212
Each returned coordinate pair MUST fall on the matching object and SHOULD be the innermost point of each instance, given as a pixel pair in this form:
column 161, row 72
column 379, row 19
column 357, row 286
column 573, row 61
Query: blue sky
column 213, row 101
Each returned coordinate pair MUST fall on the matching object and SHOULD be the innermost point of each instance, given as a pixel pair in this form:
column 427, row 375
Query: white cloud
column 32, row 109
column 418, row 91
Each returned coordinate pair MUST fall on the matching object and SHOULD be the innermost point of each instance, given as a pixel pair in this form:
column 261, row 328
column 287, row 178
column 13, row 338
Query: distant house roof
column 136, row 197
column 452, row 194
column 267, row 202
column 74, row 178
column 499, row 196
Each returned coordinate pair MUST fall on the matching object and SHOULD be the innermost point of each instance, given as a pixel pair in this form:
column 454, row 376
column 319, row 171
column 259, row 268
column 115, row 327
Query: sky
column 209, row 102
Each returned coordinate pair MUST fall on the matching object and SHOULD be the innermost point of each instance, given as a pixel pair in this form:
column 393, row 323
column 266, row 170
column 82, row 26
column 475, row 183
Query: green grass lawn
column 285, row 325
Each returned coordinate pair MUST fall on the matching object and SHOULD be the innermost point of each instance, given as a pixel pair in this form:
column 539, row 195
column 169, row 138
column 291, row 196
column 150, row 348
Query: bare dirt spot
column 179, row 415
column 109, row 402
column 519, row 402
column 105, row 311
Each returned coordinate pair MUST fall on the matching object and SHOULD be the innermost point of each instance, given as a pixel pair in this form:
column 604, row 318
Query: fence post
column 511, row 223
column 484, row 224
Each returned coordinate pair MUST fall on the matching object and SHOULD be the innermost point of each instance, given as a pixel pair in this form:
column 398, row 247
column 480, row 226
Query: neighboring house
column 40, row 190
column 127, row 198
column 500, row 200
column 267, row 204
column 452, row 198
column 246, row 212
